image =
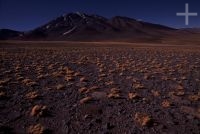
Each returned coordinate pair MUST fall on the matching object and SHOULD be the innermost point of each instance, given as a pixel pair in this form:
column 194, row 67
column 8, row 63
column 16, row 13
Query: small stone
column 142, row 119
column 69, row 78
column 32, row 95
column 85, row 100
column 194, row 97
column 179, row 87
column 113, row 95
column 2, row 95
column 133, row 96
column 83, row 89
column 38, row 110
column 155, row 93
column 36, row 129
column 60, row 87
column 166, row 104
column 138, row 86
column 180, row 93
column 83, row 79
column 115, row 90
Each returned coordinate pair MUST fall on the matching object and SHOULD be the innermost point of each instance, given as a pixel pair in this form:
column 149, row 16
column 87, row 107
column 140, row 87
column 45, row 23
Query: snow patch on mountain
column 48, row 26
column 69, row 31
column 81, row 15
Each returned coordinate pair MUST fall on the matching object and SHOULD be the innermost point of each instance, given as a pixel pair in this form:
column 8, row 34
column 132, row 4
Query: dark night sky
column 29, row 14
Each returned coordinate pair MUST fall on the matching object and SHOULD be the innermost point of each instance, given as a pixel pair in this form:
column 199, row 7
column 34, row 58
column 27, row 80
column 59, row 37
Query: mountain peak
column 83, row 15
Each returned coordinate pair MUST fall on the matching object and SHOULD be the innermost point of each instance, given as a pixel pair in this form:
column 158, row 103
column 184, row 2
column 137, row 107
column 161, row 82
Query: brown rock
column 155, row 93
column 142, row 119
column 60, row 87
column 36, row 129
column 83, row 79
column 166, row 104
column 32, row 95
column 69, row 78
column 115, row 90
column 85, row 100
column 2, row 94
column 38, row 110
column 113, row 95
column 179, row 87
column 83, row 89
column 194, row 97
column 133, row 96
column 138, row 86
column 180, row 93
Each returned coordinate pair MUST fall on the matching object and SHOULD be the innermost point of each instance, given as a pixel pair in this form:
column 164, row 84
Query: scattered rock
column 102, row 75
column 2, row 95
column 109, row 83
column 180, row 93
column 115, row 90
column 36, row 129
column 60, row 87
column 114, row 93
column 85, row 100
column 69, row 78
column 93, row 88
column 138, row 86
column 155, row 93
column 41, row 76
column 166, row 104
column 132, row 96
column 83, row 79
column 5, row 81
column 29, row 82
column 69, row 71
column 32, row 84
column 142, row 119
column 32, row 95
column 179, row 87
column 83, row 89
column 57, row 74
column 194, row 97
column 184, row 78
column 38, row 110
column 77, row 74
column 48, row 69
column 146, row 76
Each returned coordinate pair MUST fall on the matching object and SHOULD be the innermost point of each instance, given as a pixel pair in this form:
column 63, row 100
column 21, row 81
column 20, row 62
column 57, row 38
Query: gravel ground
column 99, row 90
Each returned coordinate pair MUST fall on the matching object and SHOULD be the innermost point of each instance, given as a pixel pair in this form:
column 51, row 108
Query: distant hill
column 6, row 34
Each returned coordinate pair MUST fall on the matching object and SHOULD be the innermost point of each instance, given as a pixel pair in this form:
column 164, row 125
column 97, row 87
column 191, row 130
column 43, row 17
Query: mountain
column 84, row 27
column 80, row 26
column 9, row 34
column 194, row 30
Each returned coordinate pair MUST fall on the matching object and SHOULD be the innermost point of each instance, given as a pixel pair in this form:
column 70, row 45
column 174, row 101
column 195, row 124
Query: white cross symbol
column 186, row 14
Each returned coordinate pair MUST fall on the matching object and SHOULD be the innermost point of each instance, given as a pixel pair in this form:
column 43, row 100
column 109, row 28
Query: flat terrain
column 101, row 88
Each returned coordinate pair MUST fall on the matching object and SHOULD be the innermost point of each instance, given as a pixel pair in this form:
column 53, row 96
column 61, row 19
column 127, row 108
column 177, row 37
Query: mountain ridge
column 84, row 27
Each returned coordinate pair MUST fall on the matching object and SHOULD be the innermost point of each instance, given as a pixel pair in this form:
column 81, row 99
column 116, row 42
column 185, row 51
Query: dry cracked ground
column 102, row 90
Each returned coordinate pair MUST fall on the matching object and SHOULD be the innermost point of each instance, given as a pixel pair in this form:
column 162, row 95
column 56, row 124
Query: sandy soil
column 63, row 89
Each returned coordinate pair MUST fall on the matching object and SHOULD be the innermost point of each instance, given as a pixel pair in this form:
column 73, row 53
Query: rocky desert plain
column 102, row 88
